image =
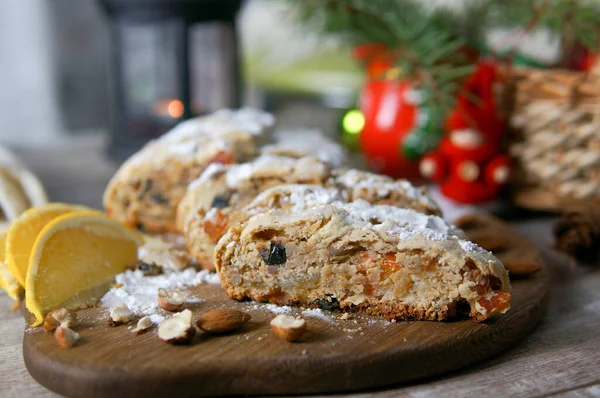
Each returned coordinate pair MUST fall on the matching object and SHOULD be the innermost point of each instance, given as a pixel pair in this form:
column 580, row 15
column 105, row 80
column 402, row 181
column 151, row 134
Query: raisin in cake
column 209, row 203
column 375, row 259
column 146, row 190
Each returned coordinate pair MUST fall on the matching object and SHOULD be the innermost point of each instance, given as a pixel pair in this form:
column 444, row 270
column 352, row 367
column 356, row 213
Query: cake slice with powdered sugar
column 375, row 259
column 211, row 201
column 145, row 191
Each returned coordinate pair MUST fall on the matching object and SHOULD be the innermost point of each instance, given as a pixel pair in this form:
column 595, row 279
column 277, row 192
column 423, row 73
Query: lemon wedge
column 7, row 281
column 74, row 261
column 24, row 230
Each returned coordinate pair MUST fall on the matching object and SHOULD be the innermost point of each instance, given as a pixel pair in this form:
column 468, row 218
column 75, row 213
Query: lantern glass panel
column 151, row 75
column 212, row 66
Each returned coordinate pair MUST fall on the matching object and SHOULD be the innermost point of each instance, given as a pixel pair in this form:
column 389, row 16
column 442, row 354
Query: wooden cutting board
column 337, row 355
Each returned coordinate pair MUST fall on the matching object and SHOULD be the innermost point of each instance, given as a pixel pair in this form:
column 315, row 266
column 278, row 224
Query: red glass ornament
column 390, row 115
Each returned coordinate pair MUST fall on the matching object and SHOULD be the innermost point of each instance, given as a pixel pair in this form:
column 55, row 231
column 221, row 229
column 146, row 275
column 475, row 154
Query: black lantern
column 171, row 59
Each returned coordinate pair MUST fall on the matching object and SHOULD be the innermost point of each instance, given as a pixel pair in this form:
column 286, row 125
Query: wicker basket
column 554, row 117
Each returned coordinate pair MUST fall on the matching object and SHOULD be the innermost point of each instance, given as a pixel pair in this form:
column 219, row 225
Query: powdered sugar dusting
column 308, row 142
column 273, row 165
column 317, row 313
column 398, row 221
column 382, row 185
column 298, row 196
column 139, row 292
column 209, row 173
column 406, row 224
column 222, row 122
column 276, row 309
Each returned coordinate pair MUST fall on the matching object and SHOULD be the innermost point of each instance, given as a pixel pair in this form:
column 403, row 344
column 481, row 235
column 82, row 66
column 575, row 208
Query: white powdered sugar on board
column 139, row 292
column 317, row 313
column 276, row 309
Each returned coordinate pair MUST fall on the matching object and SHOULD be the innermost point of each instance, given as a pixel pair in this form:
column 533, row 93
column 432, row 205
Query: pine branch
column 411, row 34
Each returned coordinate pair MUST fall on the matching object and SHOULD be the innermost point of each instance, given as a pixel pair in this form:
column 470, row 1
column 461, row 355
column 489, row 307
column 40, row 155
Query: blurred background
column 85, row 83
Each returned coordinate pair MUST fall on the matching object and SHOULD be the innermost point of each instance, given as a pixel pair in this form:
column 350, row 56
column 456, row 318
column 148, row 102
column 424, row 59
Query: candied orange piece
column 223, row 158
column 498, row 302
column 215, row 224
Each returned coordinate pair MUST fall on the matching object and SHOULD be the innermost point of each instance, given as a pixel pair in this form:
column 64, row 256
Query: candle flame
column 175, row 108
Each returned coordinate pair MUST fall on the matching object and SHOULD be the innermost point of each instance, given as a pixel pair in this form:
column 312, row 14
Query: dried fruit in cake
column 24, row 230
column 376, row 259
column 146, row 190
column 74, row 261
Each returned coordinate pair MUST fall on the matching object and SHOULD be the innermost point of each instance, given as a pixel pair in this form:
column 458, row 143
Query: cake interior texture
column 323, row 257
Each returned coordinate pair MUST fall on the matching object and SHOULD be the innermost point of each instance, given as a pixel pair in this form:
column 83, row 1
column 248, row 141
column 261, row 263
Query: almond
column 66, row 337
column 143, row 324
column 222, row 321
column 288, row 327
column 170, row 301
column 59, row 317
column 177, row 329
column 120, row 314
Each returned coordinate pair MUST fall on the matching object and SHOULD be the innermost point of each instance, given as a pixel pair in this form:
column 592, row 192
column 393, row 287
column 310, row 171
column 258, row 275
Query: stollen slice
column 375, row 259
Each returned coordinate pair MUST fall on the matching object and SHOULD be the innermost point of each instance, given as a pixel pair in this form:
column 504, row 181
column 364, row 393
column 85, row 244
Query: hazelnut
column 288, row 327
column 170, row 300
column 65, row 337
column 143, row 324
column 59, row 317
column 120, row 314
column 177, row 329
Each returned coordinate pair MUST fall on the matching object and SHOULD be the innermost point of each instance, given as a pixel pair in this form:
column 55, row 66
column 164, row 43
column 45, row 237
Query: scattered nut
column 345, row 316
column 59, row 317
column 143, row 324
column 66, row 337
column 177, row 329
column 170, row 300
column 288, row 327
column 120, row 314
column 222, row 321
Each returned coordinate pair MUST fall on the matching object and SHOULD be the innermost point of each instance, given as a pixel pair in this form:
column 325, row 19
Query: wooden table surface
column 561, row 357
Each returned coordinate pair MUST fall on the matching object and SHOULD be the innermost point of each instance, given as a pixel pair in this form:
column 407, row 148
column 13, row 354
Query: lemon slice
column 75, row 259
column 7, row 281
column 23, row 231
